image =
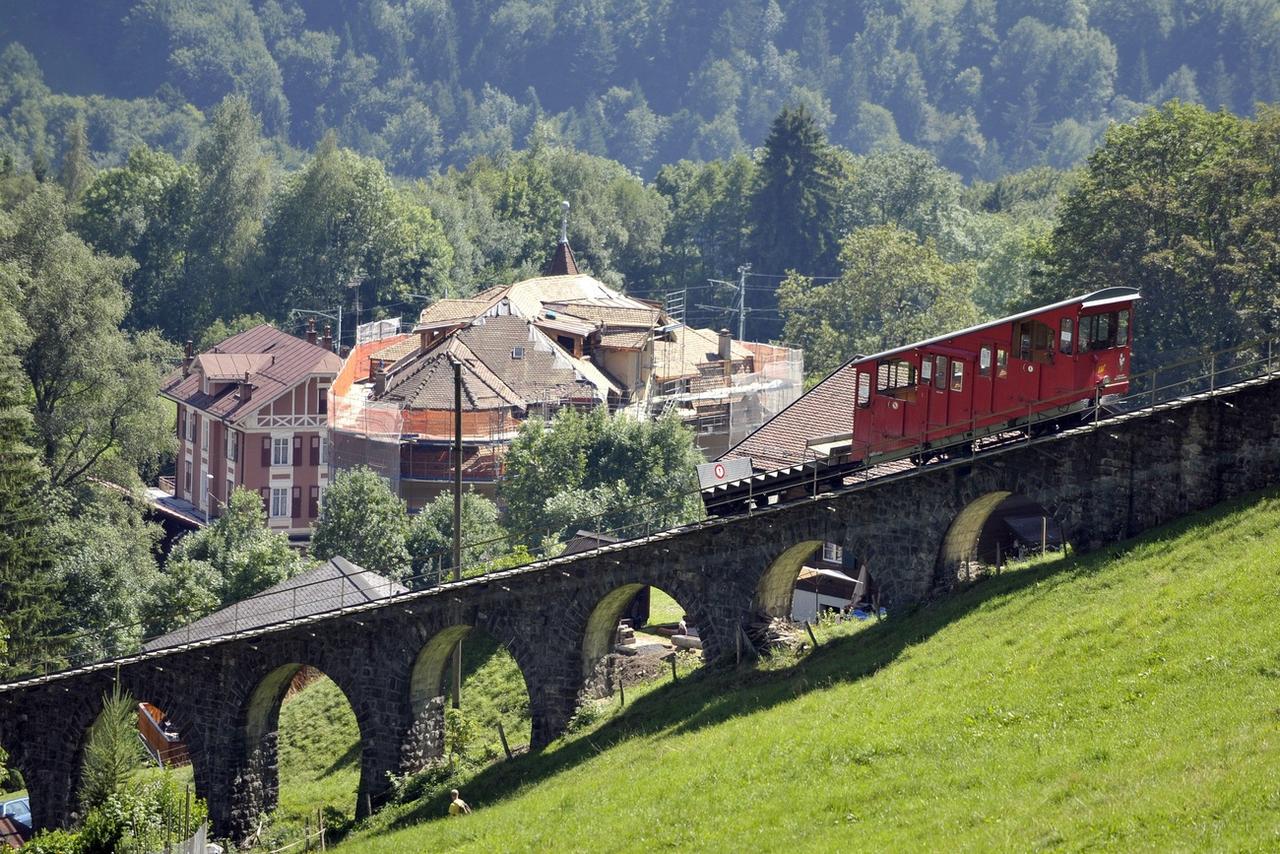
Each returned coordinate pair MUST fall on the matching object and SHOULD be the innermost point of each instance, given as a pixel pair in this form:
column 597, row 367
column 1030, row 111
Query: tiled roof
column 288, row 361
column 609, row 311
column 447, row 311
column 690, row 348
column 562, row 262
column 624, row 339
column 397, row 349
column 427, row 382
column 825, row 410
column 506, row 362
column 528, row 297
column 334, row 584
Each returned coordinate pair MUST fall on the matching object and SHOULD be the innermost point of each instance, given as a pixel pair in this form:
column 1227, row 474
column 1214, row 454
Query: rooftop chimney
column 726, row 345
column 379, row 377
column 246, row 389
column 327, row 342
column 188, row 356
column 311, row 330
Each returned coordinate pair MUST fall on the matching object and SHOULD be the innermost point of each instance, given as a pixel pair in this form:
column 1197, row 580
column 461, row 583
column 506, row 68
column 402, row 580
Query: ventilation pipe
column 327, row 341
column 379, row 377
column 188, row 356
column 311, row 330
column 246, row 389
column 726, row 345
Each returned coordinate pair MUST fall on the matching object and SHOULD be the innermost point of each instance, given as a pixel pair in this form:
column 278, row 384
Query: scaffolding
column 725, row 401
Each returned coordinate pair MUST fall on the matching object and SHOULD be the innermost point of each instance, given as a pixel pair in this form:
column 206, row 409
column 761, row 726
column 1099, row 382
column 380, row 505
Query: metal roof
column 336, row 583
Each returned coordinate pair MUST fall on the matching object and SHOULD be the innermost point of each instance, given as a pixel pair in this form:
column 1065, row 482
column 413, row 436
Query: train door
column 895, row 398
column 1033, row 342
column 938, row 393
column 960, row 402
column 1004, row 398
column 983, row 397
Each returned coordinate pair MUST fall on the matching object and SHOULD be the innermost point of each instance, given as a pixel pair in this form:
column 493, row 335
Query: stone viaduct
column 1102, row 483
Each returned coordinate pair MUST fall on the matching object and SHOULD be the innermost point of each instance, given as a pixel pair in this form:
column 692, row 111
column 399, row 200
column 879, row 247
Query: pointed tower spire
column 562, row 262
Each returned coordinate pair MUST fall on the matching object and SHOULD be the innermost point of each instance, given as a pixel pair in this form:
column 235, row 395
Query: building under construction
column 526, row 350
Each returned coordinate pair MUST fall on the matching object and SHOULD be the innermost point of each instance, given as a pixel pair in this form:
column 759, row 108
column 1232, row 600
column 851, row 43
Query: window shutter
column 266, row 452
column 297, row 451
column 315, row 450
column 313, row 508
column 265, row 492
column 296, row 510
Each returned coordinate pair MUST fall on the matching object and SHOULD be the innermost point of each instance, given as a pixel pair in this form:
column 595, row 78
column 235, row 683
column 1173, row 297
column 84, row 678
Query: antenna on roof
column 564, row 221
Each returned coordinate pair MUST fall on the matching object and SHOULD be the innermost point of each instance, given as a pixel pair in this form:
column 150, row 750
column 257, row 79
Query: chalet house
column 252, row 413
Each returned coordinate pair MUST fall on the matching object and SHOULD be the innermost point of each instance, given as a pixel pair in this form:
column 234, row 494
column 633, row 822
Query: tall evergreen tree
column 29, row 591
column 793, row 205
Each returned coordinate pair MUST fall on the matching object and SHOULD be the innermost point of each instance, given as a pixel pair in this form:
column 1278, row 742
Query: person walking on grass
column 457, row 806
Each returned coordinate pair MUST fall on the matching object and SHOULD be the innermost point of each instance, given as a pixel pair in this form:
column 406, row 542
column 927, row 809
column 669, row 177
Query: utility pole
column 457, row 514
column 742, row 301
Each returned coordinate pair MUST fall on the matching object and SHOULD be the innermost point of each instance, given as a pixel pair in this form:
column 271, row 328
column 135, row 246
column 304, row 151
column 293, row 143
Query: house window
column 279, row 503
column 957, row 375
column 231, row 487
column 189, row 427
column 233, row 446
column 984, row 362
column 280, row 451
column 324, row 451
column 832, row 553
column 204, row 435
column 186, row 480
column 1065, row 336
column 324, row 401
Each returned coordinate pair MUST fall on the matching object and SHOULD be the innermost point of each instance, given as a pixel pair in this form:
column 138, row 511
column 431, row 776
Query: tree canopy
column 363, row 522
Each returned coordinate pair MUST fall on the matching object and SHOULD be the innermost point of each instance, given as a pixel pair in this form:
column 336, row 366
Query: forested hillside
column 987, row 86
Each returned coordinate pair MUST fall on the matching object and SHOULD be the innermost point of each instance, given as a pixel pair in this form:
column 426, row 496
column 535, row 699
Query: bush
column 54, row 842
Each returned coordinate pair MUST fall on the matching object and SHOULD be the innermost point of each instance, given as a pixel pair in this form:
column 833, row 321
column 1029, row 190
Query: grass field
column 1125, row 700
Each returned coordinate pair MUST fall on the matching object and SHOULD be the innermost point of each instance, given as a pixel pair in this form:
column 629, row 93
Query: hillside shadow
column 715, row 693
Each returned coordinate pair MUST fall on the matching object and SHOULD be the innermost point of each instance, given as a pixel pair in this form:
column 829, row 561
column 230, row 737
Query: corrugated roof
column 292, row 360
column 825, row 410
column 227, row 367
column 690, row 348
column 334, row 584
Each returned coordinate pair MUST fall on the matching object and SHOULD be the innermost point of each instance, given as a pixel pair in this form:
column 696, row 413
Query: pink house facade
column 253, row 413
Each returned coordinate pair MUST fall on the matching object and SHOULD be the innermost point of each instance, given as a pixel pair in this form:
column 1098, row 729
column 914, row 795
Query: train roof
column 1106, row 296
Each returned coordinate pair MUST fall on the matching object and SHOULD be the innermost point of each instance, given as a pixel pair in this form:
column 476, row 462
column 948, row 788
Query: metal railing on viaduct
column 1101, row 482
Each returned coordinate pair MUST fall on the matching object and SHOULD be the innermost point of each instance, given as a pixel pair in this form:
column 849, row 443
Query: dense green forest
column 987, row 86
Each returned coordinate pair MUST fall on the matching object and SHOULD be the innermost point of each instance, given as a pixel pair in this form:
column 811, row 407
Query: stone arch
column 777, row 584
column 256, row 788
column 428, row 695
column 972, row 536
column 602, row 623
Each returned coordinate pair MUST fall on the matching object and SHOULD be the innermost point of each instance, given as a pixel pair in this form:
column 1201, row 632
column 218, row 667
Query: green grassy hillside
column 1128, row 699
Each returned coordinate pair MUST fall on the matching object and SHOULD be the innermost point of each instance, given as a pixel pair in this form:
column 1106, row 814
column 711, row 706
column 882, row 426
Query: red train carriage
column 1022, row 372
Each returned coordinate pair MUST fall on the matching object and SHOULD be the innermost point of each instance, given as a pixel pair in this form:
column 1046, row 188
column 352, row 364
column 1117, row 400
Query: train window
column 957, row 375
column 1034, row 341
column 1101, row 333
column 984, row 362
column 940, row 372
column 896, row 378
column 1064, row 342
column 864, row 389
column 926, row 370
column 1122, row 328
column 1002, row 363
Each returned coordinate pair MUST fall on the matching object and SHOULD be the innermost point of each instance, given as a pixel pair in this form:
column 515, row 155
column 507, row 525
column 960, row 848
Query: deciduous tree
column 362, row 521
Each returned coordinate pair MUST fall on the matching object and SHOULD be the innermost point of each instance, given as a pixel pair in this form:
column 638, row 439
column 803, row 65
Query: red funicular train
column 933, row 398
